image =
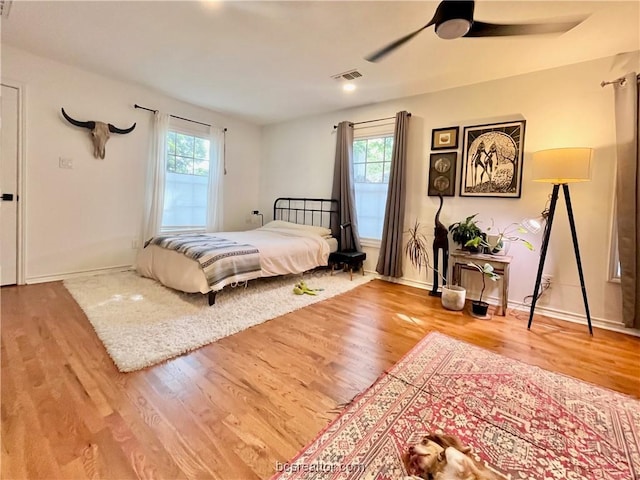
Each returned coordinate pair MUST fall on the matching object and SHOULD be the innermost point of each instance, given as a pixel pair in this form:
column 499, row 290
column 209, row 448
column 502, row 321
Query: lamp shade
column 533, row 225
column 562, row 165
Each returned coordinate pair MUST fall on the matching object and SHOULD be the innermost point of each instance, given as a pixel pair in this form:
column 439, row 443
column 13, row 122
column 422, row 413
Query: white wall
column 562, row 107
column 86, row 218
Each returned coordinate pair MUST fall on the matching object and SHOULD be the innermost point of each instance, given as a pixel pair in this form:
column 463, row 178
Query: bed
column 300, row 238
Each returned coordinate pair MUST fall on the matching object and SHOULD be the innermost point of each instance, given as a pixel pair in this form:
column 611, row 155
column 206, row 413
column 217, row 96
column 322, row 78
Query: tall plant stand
column 545, row 245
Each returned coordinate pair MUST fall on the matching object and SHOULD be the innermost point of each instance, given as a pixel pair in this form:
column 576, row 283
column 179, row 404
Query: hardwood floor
column 233, row 408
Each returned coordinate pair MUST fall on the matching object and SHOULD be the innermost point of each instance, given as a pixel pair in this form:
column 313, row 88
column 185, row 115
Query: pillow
column 322, row 231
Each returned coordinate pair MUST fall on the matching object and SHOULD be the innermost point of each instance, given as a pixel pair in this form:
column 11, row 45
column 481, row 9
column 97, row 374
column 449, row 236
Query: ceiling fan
column 454, row 19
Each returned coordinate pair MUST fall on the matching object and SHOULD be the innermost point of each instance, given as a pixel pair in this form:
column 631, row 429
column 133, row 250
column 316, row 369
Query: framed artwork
column 444, row 138
column 442, row 174
column 492, row 160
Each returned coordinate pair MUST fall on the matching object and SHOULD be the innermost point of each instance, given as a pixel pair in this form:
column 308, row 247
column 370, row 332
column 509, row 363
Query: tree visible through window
column 371, row 169
column 187, row 154
column 187, row 181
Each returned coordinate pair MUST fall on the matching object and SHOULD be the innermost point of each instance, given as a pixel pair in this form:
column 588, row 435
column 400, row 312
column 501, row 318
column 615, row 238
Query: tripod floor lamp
column 560, row 167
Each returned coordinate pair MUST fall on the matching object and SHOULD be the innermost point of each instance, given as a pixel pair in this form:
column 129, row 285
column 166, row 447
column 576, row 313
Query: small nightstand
column 352, row 259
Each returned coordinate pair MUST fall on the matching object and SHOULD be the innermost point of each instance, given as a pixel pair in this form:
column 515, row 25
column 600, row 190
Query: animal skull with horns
column 100, row 133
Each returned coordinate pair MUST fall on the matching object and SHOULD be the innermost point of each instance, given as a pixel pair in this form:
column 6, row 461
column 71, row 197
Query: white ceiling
column 271, row 61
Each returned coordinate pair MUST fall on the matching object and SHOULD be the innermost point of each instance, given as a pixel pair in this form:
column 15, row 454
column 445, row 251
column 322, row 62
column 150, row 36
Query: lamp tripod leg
column 574, row 236
column 543, row 253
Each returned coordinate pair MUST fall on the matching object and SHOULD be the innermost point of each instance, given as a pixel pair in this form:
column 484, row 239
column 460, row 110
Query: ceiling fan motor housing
column 453, row 19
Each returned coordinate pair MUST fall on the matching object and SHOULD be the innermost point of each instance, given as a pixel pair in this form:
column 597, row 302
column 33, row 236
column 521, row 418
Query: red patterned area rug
column 521, row 420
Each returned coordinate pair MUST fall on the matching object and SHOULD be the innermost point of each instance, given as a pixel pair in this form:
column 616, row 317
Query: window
column 186, row 182
column 371, row 168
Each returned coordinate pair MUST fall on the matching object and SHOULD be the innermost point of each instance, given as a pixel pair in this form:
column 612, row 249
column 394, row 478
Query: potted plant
column 453, row 297
column 417, row 250
column 478, row 307
column 496, row 240
column 466, row 230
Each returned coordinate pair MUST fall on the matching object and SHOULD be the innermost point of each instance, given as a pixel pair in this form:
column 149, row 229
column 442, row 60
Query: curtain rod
column 621, row 81
column 174, row 116
column 370, row 121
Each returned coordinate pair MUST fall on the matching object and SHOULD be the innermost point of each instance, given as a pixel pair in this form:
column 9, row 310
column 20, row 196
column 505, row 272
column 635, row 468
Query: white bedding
column 282, row 251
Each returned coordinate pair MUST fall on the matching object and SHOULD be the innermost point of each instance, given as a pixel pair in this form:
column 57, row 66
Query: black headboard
column 309, row 211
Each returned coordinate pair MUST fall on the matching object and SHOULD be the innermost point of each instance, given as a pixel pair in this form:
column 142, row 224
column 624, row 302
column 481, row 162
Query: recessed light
column 349, row 87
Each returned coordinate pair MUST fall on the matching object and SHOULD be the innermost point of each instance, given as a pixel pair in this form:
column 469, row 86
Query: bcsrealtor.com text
column 319, row 467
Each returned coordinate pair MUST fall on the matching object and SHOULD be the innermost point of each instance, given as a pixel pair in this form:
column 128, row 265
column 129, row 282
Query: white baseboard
column 549, row 312
column 76, row 274
column 578, row 318
column 404, row 281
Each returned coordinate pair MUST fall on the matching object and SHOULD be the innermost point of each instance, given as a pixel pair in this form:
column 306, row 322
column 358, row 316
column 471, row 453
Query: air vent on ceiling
column 350, row 75
column 5, row 6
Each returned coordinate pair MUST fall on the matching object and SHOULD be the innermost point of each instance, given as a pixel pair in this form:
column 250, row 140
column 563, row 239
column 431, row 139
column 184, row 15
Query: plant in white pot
column 478, row 307
column 453, row 297
column 417, row 250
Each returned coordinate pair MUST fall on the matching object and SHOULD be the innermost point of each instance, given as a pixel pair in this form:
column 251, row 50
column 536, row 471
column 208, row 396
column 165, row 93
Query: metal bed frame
column 320, row 212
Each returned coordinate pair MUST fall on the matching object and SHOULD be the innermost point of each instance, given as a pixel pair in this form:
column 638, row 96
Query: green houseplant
column 464, row 231
column 417, row 250
column 496, row 239
column 478, row 307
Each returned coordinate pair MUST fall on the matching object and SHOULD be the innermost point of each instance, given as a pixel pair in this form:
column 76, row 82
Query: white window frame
column 377, row 132
column 192, row 130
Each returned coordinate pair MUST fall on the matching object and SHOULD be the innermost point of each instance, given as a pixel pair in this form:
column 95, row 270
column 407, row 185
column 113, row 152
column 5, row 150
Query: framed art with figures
column 442, row 174
column 492, row 160
column 444, row 138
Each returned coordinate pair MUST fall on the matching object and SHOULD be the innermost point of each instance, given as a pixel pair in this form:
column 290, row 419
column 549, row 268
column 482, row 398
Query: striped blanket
column 222, row 261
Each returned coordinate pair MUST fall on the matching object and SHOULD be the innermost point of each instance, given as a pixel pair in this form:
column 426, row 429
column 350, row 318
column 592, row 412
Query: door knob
column 7, row 197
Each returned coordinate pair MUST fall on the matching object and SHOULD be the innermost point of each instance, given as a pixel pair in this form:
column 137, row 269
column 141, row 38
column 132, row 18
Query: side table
column 500, row 265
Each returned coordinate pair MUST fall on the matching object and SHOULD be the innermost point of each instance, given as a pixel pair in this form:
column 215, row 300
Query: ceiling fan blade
column 383, row 52
column 482, row 29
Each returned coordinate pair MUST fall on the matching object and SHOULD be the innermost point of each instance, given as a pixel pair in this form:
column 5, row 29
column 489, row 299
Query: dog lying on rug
column 443, row 457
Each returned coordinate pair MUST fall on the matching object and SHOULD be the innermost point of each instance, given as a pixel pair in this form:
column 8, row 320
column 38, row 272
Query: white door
column 9, row 187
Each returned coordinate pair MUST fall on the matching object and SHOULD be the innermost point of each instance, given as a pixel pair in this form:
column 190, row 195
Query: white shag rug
column 141, row 322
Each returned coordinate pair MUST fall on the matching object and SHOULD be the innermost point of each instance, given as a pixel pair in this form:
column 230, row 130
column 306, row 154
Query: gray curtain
column 390, row 258
column 628, row 196
column 343, row 188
